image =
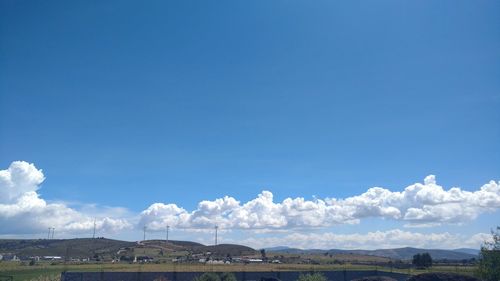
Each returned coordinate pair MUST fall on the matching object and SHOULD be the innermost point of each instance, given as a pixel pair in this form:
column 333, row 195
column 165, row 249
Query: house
column 52, row 258
column 10, row 257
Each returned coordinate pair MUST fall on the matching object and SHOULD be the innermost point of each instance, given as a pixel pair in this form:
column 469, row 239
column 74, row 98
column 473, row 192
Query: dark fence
column 340, row 275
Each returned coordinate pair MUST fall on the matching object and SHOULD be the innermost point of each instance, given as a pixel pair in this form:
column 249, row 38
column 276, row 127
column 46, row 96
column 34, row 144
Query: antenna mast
column 168, row 228
column 216, row 228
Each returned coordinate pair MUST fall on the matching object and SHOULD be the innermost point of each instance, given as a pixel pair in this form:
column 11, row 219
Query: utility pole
column 144, row 239
column 168, row 228
column 93, row 234
column 216, row 228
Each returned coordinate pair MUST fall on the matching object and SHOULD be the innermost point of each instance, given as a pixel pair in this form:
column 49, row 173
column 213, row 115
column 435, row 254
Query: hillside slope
column 88, row 247
column 396, row 253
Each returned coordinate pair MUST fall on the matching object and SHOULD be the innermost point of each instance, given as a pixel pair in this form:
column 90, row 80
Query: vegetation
column 441, row 277
column 227, row 276
column 211, row 276
column 46, row 269
column 102, row 249
column 312, row 277
column 422, row 260
column 489, row 258
column 208, row 276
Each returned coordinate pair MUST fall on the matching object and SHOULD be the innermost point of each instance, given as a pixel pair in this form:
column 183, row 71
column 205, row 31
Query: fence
column 341, row 275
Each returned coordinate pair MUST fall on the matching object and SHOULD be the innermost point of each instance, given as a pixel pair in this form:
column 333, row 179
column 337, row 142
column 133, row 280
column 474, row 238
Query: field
column 43, row 270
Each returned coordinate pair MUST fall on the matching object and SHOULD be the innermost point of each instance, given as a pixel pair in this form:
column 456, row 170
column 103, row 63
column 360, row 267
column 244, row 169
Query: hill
column 108, row 248
column 397, row 253
column 468, row 251
column 80, row 247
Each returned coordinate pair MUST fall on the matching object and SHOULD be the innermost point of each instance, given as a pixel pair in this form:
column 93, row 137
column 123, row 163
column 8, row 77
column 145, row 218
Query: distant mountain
column 468, row 251
column 408, row 253
column 277, row 248
column 397, row 253
column 288, row 250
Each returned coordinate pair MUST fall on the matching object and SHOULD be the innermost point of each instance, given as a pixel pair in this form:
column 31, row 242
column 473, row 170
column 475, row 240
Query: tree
column 227, row 276
column 312, row 277
column 489, row 258
column 422, row 260
column 207, row 276
column 263, row 253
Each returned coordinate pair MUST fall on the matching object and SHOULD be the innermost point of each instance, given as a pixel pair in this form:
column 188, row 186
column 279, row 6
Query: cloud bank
column 394, row 238
column 420, row 204
column 22, row 211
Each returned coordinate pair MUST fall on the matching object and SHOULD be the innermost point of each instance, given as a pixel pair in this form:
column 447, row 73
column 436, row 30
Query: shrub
column 207, row 276
column 227, row 276
column 312, row 277
column 422, row 260
column 489, row 258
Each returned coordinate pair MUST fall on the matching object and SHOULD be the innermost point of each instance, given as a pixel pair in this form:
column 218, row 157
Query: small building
column 52, row 258
column 215, row 262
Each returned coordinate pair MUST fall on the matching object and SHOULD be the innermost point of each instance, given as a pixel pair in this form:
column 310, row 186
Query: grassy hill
column 80, row 247
column 108, row 248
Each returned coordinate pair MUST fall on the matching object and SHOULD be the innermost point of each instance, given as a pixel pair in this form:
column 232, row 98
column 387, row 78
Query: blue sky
column 126, row 104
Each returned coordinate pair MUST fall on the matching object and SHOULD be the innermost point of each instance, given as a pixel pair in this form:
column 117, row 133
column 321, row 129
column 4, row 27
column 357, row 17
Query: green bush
column 422, row 260
column 312, row 277
column 207, row 276
column 210, row 276
column 227, row 276
column 489, row 259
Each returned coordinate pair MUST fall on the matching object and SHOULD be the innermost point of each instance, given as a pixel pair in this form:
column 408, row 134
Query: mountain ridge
column 404, row 253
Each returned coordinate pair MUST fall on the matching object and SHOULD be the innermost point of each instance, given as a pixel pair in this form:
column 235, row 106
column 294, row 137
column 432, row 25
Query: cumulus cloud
column 19, row 178
column 22, row 211
column 420, row 204
column 394, row 238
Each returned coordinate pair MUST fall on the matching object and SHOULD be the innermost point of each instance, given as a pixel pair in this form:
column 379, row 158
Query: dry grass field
column 50, row 271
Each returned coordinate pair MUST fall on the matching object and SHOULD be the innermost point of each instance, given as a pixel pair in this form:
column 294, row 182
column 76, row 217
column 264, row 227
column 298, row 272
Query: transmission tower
column 216, row 228
column 168, row 228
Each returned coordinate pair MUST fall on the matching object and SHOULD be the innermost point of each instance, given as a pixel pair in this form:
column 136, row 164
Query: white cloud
column 372, row 240
column 420, row 204
column 19, row 178
column 22, row 211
